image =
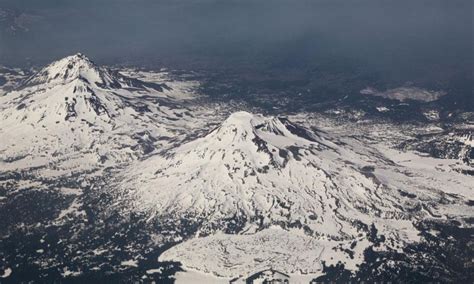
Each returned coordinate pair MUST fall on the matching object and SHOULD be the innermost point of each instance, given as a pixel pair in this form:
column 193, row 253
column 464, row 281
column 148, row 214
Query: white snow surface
column 255, row 172
column 73, row 116
column 130, row 263
column 71, row 68
column 231, row 255
column 7, row 272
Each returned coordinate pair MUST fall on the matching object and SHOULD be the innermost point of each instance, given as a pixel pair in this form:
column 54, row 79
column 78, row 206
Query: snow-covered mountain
column 80, row 67
column 126, row 167
column 254, row 173
column 78, row 114
column 261, row 170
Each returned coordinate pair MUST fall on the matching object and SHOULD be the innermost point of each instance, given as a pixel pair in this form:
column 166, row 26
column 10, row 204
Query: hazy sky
column 199, row 28
column 406, row 39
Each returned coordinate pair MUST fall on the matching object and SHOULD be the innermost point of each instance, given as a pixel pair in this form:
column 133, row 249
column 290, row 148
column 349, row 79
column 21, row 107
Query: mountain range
column 138, row 169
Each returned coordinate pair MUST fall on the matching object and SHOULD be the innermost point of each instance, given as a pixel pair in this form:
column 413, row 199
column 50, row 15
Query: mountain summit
column 74, row 87
column 75, row 67
column 79, row 67
column 257, row 189
column 259, row 171
column 78, row 105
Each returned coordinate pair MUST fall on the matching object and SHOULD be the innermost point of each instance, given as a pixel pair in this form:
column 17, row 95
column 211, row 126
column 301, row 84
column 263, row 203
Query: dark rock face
column 71, row 113
column 145, row 142
column 97, row 105
column 135, row 83
column 296, row 130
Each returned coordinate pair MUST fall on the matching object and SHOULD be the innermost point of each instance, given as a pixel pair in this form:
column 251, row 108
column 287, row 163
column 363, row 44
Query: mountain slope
column 252, row 173
column 76, row 113
column 272, row 170
column 80, row 67
column 254, row 168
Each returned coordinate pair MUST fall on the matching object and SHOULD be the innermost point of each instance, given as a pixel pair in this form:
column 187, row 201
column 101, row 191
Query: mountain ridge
column 251, row 178
column 75, row 105
column 250, row 164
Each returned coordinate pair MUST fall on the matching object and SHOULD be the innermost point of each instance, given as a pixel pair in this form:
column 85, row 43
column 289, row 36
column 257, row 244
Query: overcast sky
column 401, row 39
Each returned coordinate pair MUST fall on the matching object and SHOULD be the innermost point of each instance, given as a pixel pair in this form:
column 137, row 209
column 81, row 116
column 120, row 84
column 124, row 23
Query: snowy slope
column 80, row 67
column 254, row 172
column 255, row 168
column 74, row 115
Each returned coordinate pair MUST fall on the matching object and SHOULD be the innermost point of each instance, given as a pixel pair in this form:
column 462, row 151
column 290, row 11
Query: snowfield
column 291, row 251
